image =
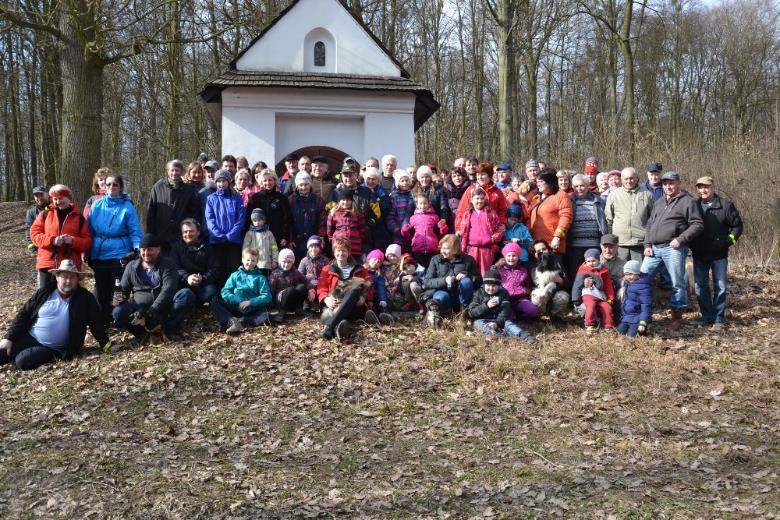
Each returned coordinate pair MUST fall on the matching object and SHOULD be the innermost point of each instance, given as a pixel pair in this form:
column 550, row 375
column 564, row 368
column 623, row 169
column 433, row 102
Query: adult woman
column 450, row 279
column 243, row 186
column 59, row 234
column 588, row 224
column 436, row 197
column 454, row 188
column 564, row 181
column 343, row 288
column 550, row 212
column 98, row 188
column 116, row 230
column 372, row 179
column 194, row 175
column 225, row 222
column 308, row 214
column 613, row 183
column 274, row 204
column 495, row 197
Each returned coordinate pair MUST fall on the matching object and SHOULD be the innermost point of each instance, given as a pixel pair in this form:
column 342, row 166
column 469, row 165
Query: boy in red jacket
column 345, row 221
column 593, row 287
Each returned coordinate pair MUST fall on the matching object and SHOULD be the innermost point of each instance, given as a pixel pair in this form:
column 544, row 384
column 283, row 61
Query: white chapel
column 316, row 81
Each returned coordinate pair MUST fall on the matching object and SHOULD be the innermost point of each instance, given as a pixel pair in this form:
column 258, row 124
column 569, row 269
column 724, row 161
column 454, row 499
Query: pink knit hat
column 511, row 247
column 376, row 253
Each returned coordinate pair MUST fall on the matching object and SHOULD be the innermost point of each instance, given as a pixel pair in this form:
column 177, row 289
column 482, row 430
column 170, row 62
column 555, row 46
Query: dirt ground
column 402, row 422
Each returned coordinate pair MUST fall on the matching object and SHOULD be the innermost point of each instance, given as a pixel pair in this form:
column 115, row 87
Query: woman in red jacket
column 60, row 234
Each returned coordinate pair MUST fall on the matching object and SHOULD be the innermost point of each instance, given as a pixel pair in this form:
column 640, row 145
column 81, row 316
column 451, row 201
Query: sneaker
column 370, row 318
column 343, row 330
column 235, row 326
column 529, row 338
column 326, row 332
column 718, row 326
column 591, row 329
column 315, row 307
column 385, row 318
column 278, row 318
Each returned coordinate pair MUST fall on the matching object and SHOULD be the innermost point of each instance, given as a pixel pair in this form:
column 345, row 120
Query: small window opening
column 319, row 54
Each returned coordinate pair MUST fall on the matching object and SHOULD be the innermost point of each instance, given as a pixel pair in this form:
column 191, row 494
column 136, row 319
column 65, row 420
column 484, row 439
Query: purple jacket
column 401, row 208
column 310, row 268
column 516, row 280
column 424, row 231
column 281, row 280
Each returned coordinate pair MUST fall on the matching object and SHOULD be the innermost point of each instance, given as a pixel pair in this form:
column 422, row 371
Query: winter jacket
column 281, row 280
column 323, row 188
column 309, row 218
column 47, row 227
column 277, row 210
column 158, row 298
column 496, row 230
column 225, row 217
column 380, row 236
column 401, row 210
column 722, row 229
column 424, row 231
column 512, row 197
column 522, row 237
column 202, row 196
column 601, row 281
column 516, row 279
column 350, row 224
column 657, row 191
column 265, row 243
column 582, row 232
column 29, row 217
column 627, row 212
column 454, row 194
column 437, row 198
column 86, row 313
column 194, row 259
column 679, row 217
column 380, row 288
column 331, row 276
column 243, row 285
column 637, row 300
column 115, row 228
column 495, row 199
column 168, row 206
column 311, row 268
column 501, row 313
column 550, row 217
column 439, row 268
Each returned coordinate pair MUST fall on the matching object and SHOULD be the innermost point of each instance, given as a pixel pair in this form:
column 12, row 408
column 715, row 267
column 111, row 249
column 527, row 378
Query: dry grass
column 402, row 423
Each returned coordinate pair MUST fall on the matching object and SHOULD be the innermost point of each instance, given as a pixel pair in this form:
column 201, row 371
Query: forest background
column 693, row 85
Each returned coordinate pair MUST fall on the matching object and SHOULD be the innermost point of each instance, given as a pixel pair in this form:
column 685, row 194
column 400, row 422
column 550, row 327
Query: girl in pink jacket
column 481, row 231
column 424, row 230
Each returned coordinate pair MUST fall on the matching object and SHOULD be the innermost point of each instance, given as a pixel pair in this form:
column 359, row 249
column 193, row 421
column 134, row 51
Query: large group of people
column 372, row 243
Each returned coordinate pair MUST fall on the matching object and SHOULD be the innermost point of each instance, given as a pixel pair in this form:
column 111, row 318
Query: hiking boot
column 385, row 318
column 235, row 326
column 278, row 318
column 371, row 318
column 676, row 319
column 591, row 329
column 718, row 326
column 343, row 330
column 326, row 332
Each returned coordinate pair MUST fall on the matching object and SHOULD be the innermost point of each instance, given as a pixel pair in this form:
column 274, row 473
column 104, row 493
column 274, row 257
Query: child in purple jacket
column 517, row 281
column 310, row 267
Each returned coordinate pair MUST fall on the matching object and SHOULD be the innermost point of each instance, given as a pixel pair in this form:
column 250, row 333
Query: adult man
column 321, row 182
column 230, row 163
column 152, row 279
column 304, row 164
column 531, row 169
column 627, row 210
column 722, row 229
column 471, row 168
column 45, row 329
column 209, row 170
column 674, row 222
column 653, row 182
column 460, row 162
column 610, row 259
column 170, row 202
column 291, row 168
column 371, row 162
column 389, row 165
column 197, row 267
column 41, row 203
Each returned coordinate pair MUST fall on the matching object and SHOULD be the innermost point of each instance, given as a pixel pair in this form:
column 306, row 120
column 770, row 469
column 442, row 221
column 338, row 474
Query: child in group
column 517, row 281
column 410, row 283
column 288, row 286
column 308, row 213
column 373, row 265
column 401, row 207
column 245, row 296
column 636, row 300
column 391, row 273
column 259, row 237
column 516, row 232
column 424, row 230
column 481, row 231
column 491, row 309
column 345, row 221
column 311, row 267
column 593, row 287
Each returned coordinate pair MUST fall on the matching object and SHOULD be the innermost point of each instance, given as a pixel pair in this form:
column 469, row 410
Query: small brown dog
column 153, row 327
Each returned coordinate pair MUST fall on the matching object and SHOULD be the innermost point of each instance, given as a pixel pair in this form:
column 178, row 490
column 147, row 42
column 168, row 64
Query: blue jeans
column 674, row 261
column 183, row 301
column 712, row 306
column 629, row 329
column 463, row 291
column 510, row 328
column 223, row 311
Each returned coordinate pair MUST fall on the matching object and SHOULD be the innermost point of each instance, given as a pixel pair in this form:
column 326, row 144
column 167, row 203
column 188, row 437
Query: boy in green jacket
column 245, row 296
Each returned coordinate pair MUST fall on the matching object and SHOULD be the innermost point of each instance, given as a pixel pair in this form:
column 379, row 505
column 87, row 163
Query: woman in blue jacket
column 225, row 223
column 116, row 231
